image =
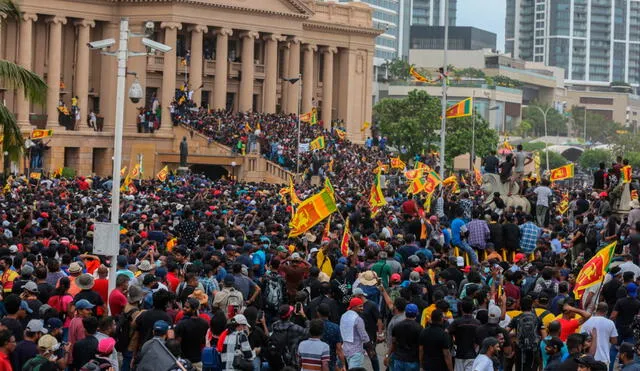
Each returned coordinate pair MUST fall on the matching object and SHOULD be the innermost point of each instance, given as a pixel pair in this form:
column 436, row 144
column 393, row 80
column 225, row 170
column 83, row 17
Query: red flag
column 344, row 243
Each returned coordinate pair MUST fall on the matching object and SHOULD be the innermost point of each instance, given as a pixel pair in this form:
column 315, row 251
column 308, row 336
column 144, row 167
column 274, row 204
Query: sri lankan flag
column 376, row 198
column 247, row 128
column 366, row 125
column 311, row 212
column 477, row 176
column 162, row 174
column 311, row 117
column 328, row 186
column 344, row 242
column 35, row 175
column 461, row 109
column 327, row 230
column 135, row 172
column 340, row 133
column 416, row 186
column 381, row 167
column 123, row 171
column 317, row 143
column 412, row 174
column 562, row 172
column 418, row 77
column 626, row 174
column 421, row 165
column 431, row 182
column 594, row 271
column 331, row 165
column 39, row 134
column 397, row 163
column 58, row 172
column 563, row 206
column 292, row 193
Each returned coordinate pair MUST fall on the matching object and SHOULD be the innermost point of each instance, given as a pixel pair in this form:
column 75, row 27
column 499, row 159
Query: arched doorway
column 213, row 172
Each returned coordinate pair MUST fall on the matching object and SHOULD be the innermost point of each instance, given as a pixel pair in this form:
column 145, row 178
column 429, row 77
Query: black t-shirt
column 491, row 330
column 609, row 291
column 84, row 350
column 15, row 327
column 463, row 330
column 511, row 236
column 627, row 309
column 454, row 274
column 25, row 350
column 496, row 235
column 406, row 335
column 598, row 179
column 145, row 321
column 370, row 315
column 192, row 332
column 334, row 308
column 434, row 340
column 45, row 291
column 582, row 206
column 491, row 164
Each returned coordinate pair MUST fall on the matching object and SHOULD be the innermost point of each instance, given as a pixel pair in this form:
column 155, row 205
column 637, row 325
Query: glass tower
column 431, row 12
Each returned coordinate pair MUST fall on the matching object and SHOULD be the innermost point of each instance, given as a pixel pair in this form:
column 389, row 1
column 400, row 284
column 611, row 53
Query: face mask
column 486, row 270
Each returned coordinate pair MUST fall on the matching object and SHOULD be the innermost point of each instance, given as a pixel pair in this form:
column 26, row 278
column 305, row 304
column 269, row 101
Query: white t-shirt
column 482, row 363
column 630, row 267
column 605, row 329
column 543, row 193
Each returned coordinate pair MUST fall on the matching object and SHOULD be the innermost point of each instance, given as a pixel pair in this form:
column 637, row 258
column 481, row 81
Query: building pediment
column 292, row 8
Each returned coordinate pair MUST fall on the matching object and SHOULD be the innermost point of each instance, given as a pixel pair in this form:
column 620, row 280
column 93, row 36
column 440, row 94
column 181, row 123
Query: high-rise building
column 432, row 12
column 394, row 18
column 596, row 41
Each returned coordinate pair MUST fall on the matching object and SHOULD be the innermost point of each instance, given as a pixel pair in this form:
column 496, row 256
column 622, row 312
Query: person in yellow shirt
column 512, row 312
column 540, row 304
column 8, row 274
column 439, row 303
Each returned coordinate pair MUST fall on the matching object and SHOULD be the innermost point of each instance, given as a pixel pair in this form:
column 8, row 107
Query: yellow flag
column 162, row 174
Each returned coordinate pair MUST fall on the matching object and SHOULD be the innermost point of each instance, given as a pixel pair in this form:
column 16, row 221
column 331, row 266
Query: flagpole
column 298, row 110
column 472, row 156
column 443, row 126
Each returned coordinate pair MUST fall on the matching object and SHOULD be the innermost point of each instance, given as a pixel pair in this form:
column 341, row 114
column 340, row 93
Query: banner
column 39, row 134
column 562, row 172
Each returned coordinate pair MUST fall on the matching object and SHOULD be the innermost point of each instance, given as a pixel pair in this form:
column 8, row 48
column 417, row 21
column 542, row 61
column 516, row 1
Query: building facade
column 237, row 53
column 460, row 38
column 596, row 41
column 432, row 12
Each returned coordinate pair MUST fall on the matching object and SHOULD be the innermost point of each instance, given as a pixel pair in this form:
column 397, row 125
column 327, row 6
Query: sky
column 485, row 14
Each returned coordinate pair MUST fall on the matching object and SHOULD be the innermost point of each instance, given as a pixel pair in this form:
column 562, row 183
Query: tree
column 459, row 137
column 556, row 123
column 533, row 146
column 591, row 158
column 398, row 69
column 634, row 159
column 524, row 128
column 411, row 121
column 555, row 160
column 16, row 77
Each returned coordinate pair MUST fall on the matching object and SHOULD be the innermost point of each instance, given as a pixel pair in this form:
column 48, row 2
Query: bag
column 123, row 330
column 235, row 303
column 528, row 338
column 93, row 365
column 34, row 364
column 591, row 235
column 211, row 360
column 273, row 293
column 240, row 363
column 277, row 352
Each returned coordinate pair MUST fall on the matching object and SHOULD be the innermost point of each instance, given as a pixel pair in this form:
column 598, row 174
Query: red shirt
column 173, row 281
column 409, row 207
column 117, row 302
column 101, row 286
column 92, row 265
column 5, row 365
column 180, row 315
column 512, row 291
column 567, row 327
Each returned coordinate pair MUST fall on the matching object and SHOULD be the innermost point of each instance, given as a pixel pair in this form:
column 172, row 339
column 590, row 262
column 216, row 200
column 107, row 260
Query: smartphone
column 298, row 307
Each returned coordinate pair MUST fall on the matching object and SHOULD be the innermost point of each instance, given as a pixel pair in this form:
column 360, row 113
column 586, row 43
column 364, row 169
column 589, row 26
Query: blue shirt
column 545, row 357
column 259, row 259
column 456, row 225
column 331, row 335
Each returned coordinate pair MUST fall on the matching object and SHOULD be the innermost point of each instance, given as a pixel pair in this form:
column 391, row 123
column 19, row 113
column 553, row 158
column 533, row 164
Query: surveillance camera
column 149, row 27
column 135, row 92
column 154, row 45
column 101, row 44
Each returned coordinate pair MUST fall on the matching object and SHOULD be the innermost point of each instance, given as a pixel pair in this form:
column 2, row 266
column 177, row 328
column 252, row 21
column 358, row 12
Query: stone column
column 168, row 74
column 245, row 101
column 222, row 68
column 25, row 60
column 269, row 97
column 293, row 95
column 307, row 78
column 284, row 92
column 195, row 73
column 54, row 68
column 327, row 85
column 82, row 71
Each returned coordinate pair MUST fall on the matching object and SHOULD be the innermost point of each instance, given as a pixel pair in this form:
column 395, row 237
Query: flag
column 344, row 242
column 292, row 193
column 283, row 193
column 365, row 125
column 247, row 128
column 418, row 77
column 162, row 174
column 311, row 117
column 327, row 230
column 594, row 271
column 328, row 186
column 340, row 133
column 562, row 172
column 39, row 134
column 626, row 174
column 376, row 198
column 477, row 175
column 536, row 163
column 563, row 206
column 35, row 175
column 431, row 182
column 397, row 163
column 58, row 172
column 132, row 188
column 123, row 171
column 412, row 174
column 135, row 172
column 258, row 127
column 331, row 166
column 461, row 109
column 183, row 62
column 7, row 188
column 427, row 203
column 416, row 186
column 311, row 212
column 421, row 165
column 381, row 167
column 317, row 143
column 506, row 145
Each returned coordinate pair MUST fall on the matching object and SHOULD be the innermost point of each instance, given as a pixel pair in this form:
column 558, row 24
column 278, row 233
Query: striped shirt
column 235, row 342
column 313, row 353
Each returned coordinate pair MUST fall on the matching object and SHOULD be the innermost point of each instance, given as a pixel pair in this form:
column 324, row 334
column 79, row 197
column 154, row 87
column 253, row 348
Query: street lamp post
column 443, row 124
column 544, row 115
column 292, row 81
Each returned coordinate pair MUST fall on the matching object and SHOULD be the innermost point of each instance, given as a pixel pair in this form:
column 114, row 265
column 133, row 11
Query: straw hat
column 84, row 281
column 75, row 267
column 368, row 278
column 200, row 296
column 145, row 266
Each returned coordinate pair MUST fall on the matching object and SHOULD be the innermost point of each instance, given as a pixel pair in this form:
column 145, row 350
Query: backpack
column 591, row 235
column 211, row 360
column 93, row 365
column 548, row 291
column 273, row 293
column 278, row 352
column 345, row 290
column 235, row 303
column 528, row 338
column 34, row 364
column 123, row 330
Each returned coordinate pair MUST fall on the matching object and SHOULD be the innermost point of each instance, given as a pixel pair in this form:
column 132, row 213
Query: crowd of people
column 206, row 277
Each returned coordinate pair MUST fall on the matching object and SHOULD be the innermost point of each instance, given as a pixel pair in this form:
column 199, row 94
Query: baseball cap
column 240, row 319
column 632, row 290
column 26, row 270
column 358, row 292
column 356, row 302
column 160, row 327
column 53, row 323
column 35, row 325
column 494, row 314
column 47, row 342
column 339, row 268
column 627, row 348
column 295, row 256
column 414, row 277
column 396, row 277
column 411, row 310
column 31, row 287
column 84, row 304
column 519, row 256
column 106, row 345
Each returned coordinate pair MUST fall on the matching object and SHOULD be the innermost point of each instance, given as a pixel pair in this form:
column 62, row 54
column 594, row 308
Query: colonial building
column 234, row 54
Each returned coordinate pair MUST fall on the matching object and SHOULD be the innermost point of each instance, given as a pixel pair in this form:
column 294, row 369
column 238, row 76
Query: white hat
column 460, row 261
column 240, row 319
column 494, row 314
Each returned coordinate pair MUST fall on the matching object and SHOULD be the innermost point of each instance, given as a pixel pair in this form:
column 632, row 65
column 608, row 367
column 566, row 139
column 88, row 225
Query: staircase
column 252, row 167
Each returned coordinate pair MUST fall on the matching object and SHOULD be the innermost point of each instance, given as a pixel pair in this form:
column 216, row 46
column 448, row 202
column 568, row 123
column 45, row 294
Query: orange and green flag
column 312, row 211
column 461, row 109
column 311, row 117
column 397, row 163
column 376, row 198
column 344, row 242
column 594, row 271
column 562, row 172
column 39, row 133
column 340, row 133
column 416, row 186
column 412, row 174
column 431, row 182
column 317, row 143
column 626, row 174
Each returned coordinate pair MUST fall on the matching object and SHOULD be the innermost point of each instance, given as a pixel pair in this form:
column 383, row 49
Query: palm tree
column 13, row 76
